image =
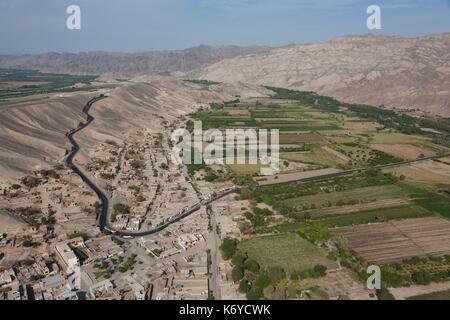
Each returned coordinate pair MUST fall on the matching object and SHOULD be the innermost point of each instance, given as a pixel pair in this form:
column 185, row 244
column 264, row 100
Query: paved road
column 104, row 201
column 362, row 169
column 215, row 258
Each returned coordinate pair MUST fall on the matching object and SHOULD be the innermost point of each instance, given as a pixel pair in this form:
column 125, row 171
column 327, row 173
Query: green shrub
column 251, row 265
column 228, row 247
column 238, row 259
column 244, row 286
column 237, row 273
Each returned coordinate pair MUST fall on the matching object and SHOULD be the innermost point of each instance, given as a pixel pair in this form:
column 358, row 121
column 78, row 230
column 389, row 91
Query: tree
column 320, row 270
column 121, row 208
column 421, row 277
column 251, row 265
column 262, row 280
column 255, row 294
column 238, row 259
column 137, row 164
column 228, row 247
column 384, row 294
column 244, row 286
column 30, row 182
column 237, row 273
column 29, row 244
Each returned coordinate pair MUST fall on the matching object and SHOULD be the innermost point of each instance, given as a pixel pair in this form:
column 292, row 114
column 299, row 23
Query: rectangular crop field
column 288, row 177
column 354, row 196
column 439, row 205
column 395, row 241
column 288, row 250
column 374, row 216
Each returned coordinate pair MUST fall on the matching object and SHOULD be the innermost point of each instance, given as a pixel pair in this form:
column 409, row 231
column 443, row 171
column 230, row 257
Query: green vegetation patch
column 287, row 251
column 378, row 215
column 348, row 197
column 202, row 82
column 279, row 194
column 439, row 205
column 41, row 83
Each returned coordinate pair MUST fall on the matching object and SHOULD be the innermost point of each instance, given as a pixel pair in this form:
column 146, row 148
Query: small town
column 64, row 256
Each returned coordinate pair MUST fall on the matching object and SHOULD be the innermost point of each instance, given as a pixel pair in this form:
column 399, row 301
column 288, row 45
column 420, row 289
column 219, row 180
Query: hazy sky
column 35, row 26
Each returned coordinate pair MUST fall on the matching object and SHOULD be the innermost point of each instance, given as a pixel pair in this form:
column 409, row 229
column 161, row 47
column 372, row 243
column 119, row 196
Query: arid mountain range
column 378, row 70
column 397, row 72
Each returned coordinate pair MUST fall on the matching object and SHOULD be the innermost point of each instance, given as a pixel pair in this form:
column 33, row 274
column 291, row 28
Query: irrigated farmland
column 395, row 241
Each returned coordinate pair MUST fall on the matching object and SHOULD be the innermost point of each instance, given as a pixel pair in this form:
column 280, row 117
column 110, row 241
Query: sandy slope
column 32, row 132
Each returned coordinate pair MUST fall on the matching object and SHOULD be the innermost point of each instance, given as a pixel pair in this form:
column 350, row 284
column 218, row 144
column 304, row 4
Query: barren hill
column 378, row 70
column 33, row 130
column 127, row 64
column 397, row 72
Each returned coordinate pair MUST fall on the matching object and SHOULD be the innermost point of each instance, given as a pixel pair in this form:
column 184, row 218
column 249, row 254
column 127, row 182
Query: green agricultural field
column 245, row 169
column 288, row 251
column 354, row 196
column 21, row 83
column 439, row 205
column 416, row 190
column 378, row 215
column 308, row 128
column 317, row 155
column 394, row 138
column 276, row 195
column 285, row 117
column 317, row 115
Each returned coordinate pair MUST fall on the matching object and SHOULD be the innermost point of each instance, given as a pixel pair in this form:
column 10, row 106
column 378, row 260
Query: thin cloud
column 280, row 4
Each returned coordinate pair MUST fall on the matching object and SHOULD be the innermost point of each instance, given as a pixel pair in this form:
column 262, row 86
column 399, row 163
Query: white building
column 67, row 257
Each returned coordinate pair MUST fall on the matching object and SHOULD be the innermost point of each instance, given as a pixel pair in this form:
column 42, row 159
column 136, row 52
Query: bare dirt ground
column 340, row 283
column 427, row 171
column 337, row 154
column 281, row 178
column 239, row 112
column 415, row 290
column 32, row 129
column 361, row 126
column 404, row 151
column 10, row 224
column 398, row 240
